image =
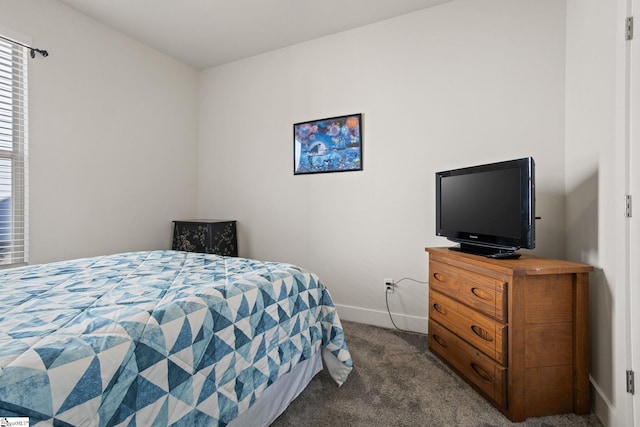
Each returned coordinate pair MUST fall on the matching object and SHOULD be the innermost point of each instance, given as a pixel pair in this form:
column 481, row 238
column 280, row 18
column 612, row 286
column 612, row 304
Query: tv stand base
column 486, row 251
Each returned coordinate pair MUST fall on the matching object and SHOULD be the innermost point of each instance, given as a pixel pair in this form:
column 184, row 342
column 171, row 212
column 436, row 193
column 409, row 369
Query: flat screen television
column 488, row 209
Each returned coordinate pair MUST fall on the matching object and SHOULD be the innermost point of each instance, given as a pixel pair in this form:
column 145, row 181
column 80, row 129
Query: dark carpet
column 397, row 381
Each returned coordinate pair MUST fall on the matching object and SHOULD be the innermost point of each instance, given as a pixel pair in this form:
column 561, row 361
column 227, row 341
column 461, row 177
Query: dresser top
column 526, row 265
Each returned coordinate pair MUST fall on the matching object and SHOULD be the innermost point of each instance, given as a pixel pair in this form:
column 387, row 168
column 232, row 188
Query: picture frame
column 326, row 145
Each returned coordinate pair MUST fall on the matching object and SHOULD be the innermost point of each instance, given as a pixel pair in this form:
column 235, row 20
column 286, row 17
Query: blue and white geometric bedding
column 156, row 338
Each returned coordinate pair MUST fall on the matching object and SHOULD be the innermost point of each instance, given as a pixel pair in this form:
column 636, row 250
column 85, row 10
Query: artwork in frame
column 328, row 145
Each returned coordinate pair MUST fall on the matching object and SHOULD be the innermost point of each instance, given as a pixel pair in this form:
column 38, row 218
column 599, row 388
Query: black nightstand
column 211, row 236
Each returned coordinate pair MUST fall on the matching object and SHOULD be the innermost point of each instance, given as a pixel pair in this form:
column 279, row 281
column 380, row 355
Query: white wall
column 112, row 133
column 595, row 188
column 463, row 83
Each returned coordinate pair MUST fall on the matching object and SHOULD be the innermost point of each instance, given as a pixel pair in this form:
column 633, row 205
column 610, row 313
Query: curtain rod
column 33, row 50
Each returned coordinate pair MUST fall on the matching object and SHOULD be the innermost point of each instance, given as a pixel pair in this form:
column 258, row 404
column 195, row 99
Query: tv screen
column 489, row 209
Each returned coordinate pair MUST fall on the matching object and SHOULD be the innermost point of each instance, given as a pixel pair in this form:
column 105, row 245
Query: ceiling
column 206, row 33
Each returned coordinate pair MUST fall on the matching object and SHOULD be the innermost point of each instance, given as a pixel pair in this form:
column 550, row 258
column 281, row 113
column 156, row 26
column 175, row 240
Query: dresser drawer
column 483, row 293
column 480, row 370
column 480, row 331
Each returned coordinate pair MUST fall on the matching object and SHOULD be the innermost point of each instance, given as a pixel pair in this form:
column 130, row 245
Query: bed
column 163, row 338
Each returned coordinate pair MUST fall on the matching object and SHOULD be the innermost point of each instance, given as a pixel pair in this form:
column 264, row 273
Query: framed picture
column 328, row 145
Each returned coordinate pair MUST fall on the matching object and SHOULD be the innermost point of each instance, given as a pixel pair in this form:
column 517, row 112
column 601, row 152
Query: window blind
column 13, row 155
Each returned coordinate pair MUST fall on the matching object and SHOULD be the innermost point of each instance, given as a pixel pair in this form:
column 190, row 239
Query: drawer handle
column 481, row 372
column 439, row 277
column 480, row 293
column 437, row 307
column 481, row 333
column 439, row 340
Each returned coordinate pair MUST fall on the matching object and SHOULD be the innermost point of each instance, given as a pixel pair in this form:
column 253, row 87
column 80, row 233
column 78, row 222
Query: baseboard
column 600, row 405
column 381, row 318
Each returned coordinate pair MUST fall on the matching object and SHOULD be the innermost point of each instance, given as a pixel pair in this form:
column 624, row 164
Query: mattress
column 158, row 338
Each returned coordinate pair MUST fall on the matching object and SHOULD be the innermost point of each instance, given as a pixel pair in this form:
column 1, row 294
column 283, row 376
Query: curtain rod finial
column 42, row 52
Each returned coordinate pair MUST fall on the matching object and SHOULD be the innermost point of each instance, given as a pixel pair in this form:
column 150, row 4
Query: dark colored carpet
column 397, row 381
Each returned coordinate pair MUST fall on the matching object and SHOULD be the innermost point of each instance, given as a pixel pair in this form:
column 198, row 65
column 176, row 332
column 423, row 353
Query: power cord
column 386, row 298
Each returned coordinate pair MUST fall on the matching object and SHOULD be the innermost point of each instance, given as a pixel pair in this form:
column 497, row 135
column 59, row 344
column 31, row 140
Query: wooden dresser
column 516, row 330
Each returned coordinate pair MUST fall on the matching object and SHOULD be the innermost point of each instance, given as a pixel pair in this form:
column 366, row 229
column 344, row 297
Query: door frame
column 633, row 223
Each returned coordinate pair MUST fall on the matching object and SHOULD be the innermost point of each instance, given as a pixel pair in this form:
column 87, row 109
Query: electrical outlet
column 389, row 285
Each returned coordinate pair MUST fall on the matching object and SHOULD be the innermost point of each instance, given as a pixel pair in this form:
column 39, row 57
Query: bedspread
column 156, row 338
